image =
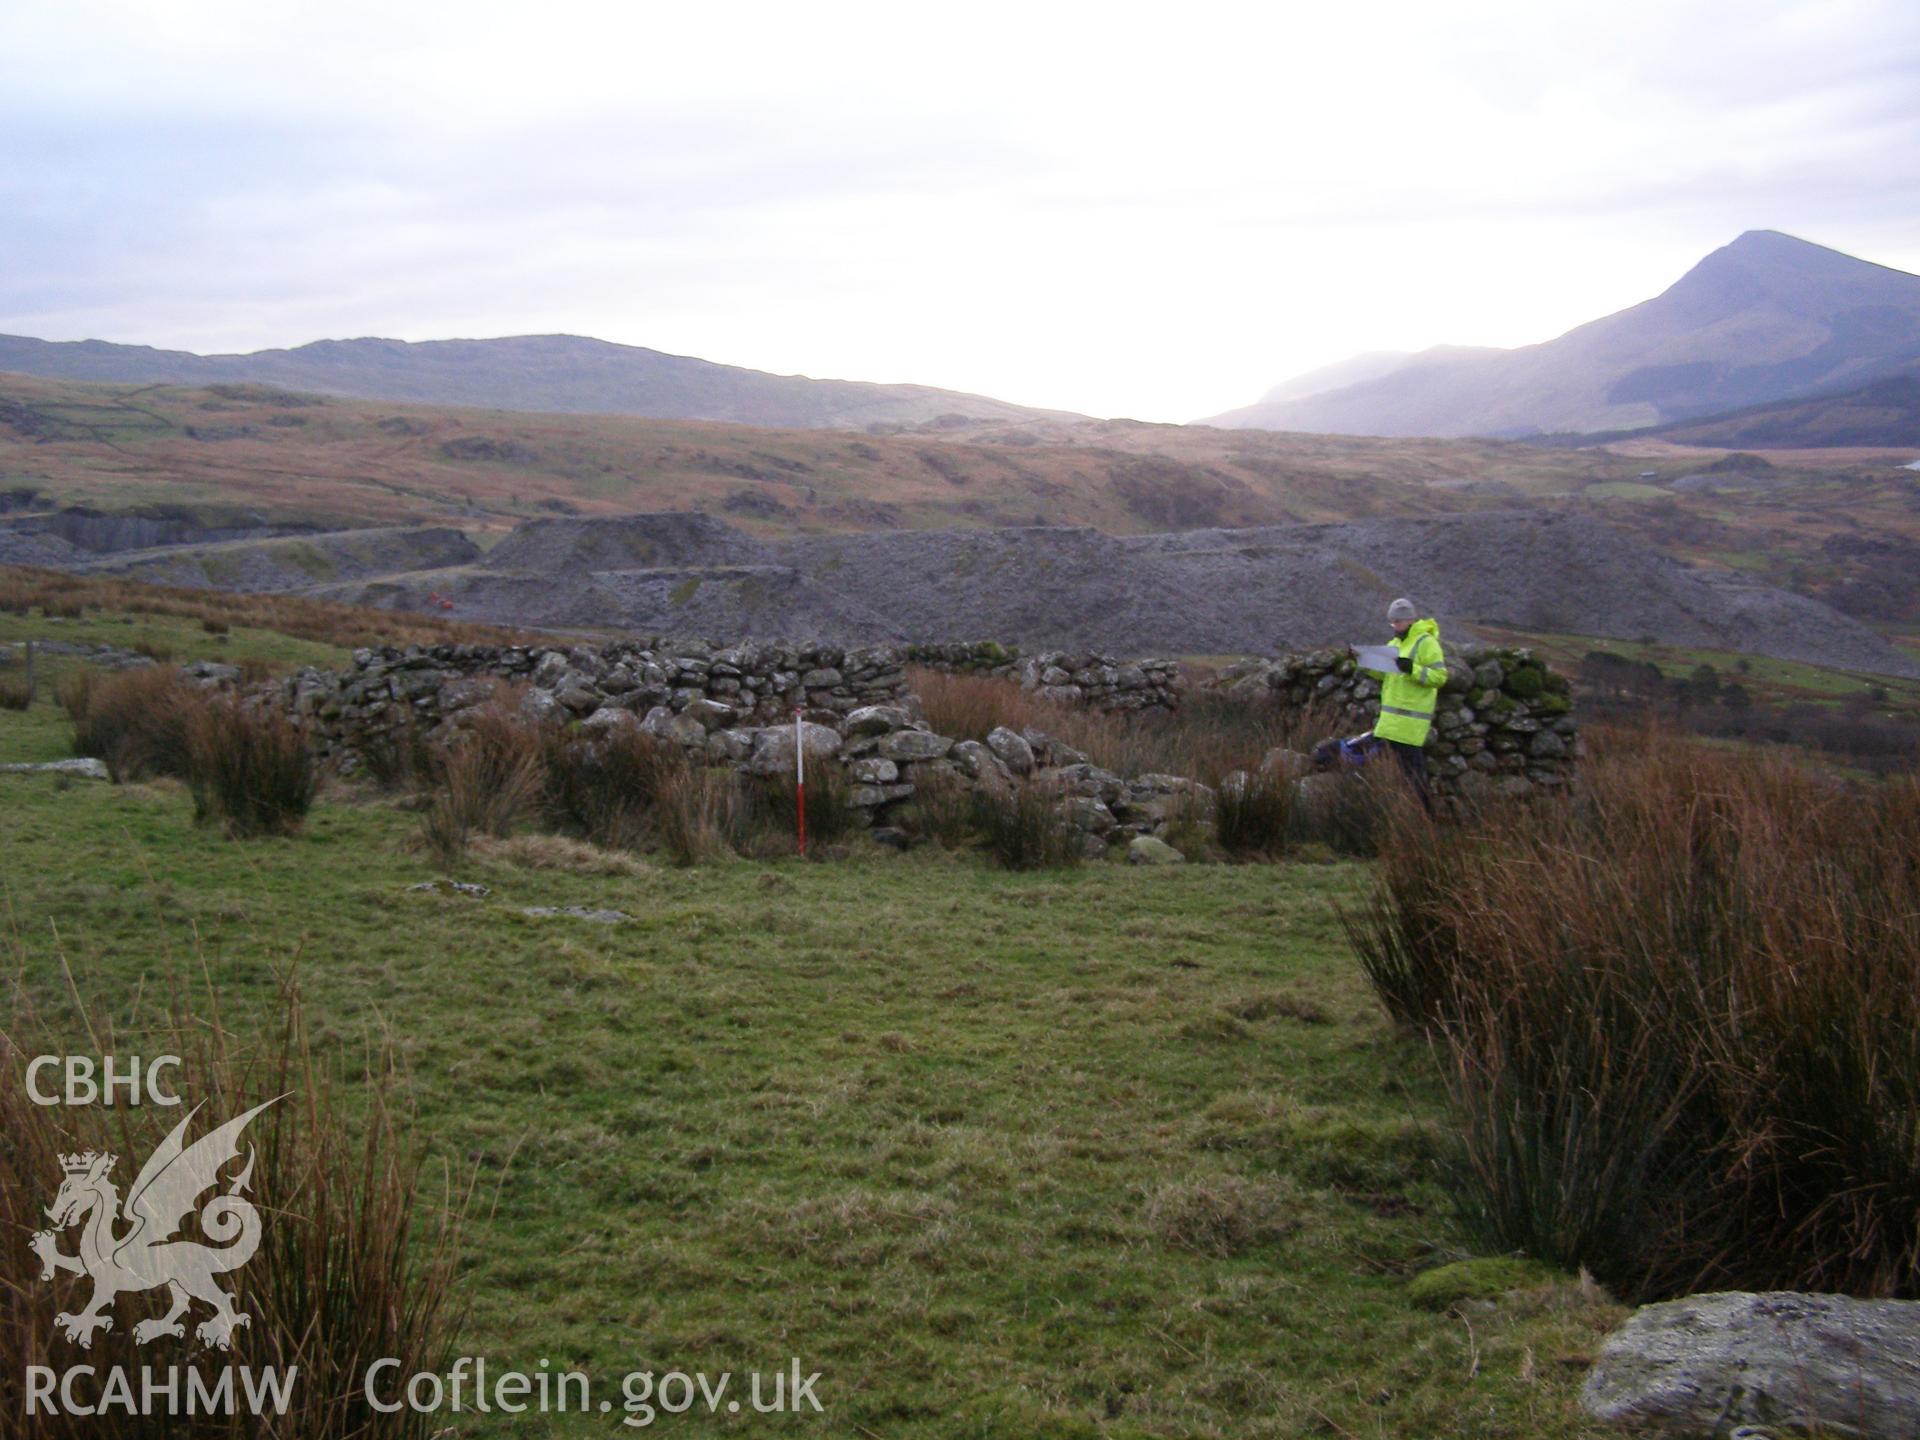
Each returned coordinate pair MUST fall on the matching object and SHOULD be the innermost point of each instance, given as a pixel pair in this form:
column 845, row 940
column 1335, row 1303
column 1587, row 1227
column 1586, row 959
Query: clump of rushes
column 830, row 818
column 250, row 768
column 603, row 789
column 397, row 759
column 476, row 789
column 1353, row 814
column 705, row 813
column 1026, row 827
column 1676, row 1017
column 1253, row 812
column 353, row 1263
column 137, row 721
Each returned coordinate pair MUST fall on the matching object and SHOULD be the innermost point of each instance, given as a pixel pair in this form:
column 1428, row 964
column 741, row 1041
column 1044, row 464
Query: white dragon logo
column 147, row 1255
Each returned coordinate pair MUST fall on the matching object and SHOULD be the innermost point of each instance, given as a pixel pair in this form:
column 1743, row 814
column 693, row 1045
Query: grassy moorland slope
column 1840, row 526
column 248, row 450
column 1103, row 1153
column 1846, row 531
column 1883, row 415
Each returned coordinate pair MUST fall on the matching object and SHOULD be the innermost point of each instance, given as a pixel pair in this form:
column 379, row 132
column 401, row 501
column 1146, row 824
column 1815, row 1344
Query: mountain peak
column 1773, row 240
column 1774, row 257
column 1787, row 276
column 1763, row 318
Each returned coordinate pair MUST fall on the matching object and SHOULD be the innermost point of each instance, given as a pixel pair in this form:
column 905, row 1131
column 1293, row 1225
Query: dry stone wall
column 734, row 705
column 677, row 685
column 1504, row 719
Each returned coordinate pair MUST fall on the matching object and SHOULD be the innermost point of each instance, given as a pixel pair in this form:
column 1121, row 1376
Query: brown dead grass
column 560, row 853
column 1210, row 735
column 1223, row 1215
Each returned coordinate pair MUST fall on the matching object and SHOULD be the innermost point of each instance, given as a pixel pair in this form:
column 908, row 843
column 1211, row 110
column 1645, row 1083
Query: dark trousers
column 1412, row 760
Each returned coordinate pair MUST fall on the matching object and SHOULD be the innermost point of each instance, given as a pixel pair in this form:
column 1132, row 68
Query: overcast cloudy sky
column 1153, row 211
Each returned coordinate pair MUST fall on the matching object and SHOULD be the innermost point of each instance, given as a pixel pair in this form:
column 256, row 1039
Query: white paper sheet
column 1383, row 658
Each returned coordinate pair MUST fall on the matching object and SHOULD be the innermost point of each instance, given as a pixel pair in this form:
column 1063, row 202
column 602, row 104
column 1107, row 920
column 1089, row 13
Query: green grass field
column 1624, row 490
column 1107, row 1152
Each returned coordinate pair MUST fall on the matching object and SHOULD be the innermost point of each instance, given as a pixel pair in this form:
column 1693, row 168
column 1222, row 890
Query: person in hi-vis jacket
column 1407, row 696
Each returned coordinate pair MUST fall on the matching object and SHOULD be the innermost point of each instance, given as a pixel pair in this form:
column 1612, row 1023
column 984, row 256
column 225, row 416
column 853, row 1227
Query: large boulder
column 914, row 745
column 578, row 694
column 977, row 762
column 1145, row 850
column 607, row 720
column 1782, row 1361
column 867, row 796
column 685, row 730
column 1082, row 778
column 211, row 674
column 1289, row 764
column 710, row 714
column 731, row 747
column 1089, row 814
column 1145, row 787
column 540, row 707
column 1012, row 749
column 773, row 747
column 876, row 720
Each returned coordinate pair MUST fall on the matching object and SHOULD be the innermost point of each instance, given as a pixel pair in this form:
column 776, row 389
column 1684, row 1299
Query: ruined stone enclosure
column 1504, row 721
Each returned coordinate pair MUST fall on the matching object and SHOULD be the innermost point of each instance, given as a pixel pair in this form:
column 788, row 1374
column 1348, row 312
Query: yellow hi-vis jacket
column 1407, row 699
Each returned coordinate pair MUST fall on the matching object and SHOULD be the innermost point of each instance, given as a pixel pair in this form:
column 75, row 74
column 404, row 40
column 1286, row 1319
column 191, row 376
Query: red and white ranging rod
column 800, row 777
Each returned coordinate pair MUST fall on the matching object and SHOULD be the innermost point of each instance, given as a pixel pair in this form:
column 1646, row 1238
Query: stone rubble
column 576, row 912
column 83, row 769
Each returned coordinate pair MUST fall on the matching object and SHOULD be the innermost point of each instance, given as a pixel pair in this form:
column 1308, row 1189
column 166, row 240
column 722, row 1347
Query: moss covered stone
column 1526, row 682
column 1487, row 1278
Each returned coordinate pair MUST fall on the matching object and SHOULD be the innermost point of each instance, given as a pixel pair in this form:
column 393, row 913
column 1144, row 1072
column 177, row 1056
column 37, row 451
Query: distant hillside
column 250, row 455
column 1210, row 591
column 240, row 481
column 1765, row 318
column 1356, row 370
column 1887, row 412
column 565, row 374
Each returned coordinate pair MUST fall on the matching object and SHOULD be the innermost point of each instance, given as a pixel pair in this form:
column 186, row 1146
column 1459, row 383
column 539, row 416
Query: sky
column 1150, row 211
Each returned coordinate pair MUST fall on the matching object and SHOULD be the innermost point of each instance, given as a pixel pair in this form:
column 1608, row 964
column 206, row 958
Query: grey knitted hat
column 1402, row 609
